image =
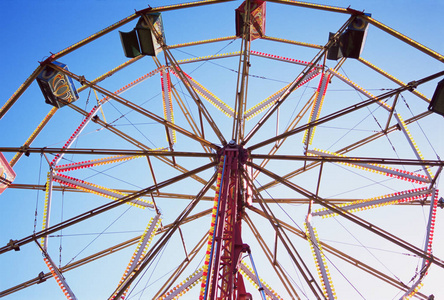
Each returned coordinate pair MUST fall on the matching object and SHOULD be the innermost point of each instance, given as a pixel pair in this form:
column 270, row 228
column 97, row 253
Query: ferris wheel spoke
column 349, row 148
column 345, row 257
column 390, row 199
column 243, row 73
column 99, row 190
column 365, row 224
column 142, row 247
column 152, row 253
column 160, row 155
column 176, row 68
column 313, row 63
column 184, row 286
column 133, row 106
column 319, row 257
column 348, row 110
column 376, row 164
column 291, row 42
column 119, row 154
column 101, row 209
column 111, row 250
column 381, row 167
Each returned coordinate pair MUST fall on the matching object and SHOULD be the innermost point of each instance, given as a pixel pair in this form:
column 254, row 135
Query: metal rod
column 367, row 225
column 296, row 82
column 391, row 112
column 34, row 134
column 286, row 241
column 20, row 91
column 259, row 283
column 129, row 19
column 227, row 38
column 347, row 110
column 93, row 257
column 103, row 208
column 354, row 160
column 133, row 106
column 94, row 151
column 270, row 38
column 136, row 143
column 392, row 78
column 162, row 241
column 403, row 38
column 242, row 77
column 169, row 57
column 355, row 262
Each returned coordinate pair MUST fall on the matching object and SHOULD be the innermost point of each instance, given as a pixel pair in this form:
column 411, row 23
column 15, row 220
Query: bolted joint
column 13, row 245
column 41, row 277
column 412, row 85
column 47, row 61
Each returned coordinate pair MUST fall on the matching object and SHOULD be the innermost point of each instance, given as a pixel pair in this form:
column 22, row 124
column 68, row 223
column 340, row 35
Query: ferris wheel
column 227, row 150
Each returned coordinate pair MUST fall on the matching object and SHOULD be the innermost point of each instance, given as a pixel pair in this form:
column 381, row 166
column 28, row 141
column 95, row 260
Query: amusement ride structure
column 235, row 157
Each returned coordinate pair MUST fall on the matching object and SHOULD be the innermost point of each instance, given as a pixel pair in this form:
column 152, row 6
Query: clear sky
column 33, row 30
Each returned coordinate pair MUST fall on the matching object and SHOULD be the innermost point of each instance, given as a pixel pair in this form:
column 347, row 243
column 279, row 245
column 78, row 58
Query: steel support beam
column 296, row 82
column 133, row 106
column 347, row 110
column 78, row 263
column 345, row 257
column 102, row 209
column 152, row 253
column 355, row 219
column 348, row 148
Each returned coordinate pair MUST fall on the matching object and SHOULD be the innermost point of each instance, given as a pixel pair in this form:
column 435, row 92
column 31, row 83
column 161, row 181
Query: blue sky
column 32, row 31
